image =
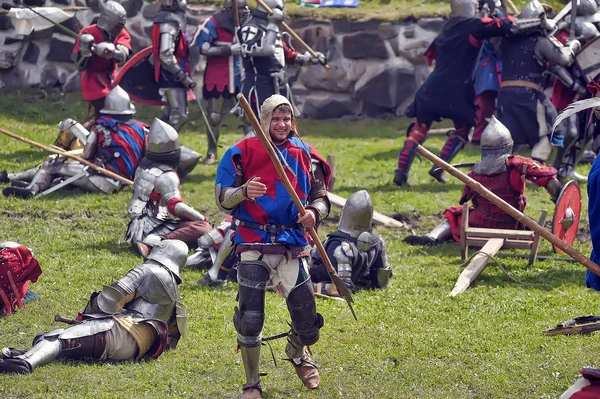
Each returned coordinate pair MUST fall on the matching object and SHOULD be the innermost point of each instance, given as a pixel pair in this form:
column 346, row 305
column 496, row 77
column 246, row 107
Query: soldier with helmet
column 216, row 38
column 137, row 316
column 116, row 142
column 577, row 131
column 265, row 54
column 270, row 237
column 503, row 174
column 100, row 48
column 171, row 54
column 357, row 253
column 157, row 207
column 455, row 51
column 522, row 105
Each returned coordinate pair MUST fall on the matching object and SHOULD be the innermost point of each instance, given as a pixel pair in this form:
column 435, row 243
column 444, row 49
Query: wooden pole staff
column 291, row 32
column 506, row 207
column 85, row 162
column 343, row 291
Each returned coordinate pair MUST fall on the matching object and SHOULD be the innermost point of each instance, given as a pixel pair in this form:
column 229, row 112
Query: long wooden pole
column 506, row 207
column 343, row 291
column 291, row 32
column 85, row 162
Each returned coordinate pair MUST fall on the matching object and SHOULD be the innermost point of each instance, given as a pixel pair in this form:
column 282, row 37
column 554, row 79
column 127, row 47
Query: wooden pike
column 506, row 207
column 67, row 154
column 291, row 32
column 343, row 291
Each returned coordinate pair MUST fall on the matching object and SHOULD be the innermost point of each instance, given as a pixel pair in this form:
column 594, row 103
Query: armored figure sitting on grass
column 503, row 174
column 356, row 252
column 116, row 142
column 157, row 206
column 138, row 315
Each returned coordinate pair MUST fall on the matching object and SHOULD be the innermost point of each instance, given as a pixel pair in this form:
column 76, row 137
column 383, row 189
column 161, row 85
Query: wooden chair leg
column 464, row 249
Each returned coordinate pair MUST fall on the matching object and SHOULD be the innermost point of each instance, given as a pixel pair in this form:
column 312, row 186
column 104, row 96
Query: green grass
column 383, row 10
column 411, row 339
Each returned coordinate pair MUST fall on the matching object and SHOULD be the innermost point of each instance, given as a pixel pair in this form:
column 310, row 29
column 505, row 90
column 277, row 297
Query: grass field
column 410, row 341
column 383, row 10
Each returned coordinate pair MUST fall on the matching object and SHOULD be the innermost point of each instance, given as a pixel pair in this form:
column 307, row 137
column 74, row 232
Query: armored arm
column 81, row 56
column 108, row 50
column 184, row 211
column 229, row 197
column 205, row 40
column 167, row 185
column 168, row 34
column 550, row 50
column 76, row 129
column 565, row 78
column 91, row 145
column 318, row 201
column 344, row 255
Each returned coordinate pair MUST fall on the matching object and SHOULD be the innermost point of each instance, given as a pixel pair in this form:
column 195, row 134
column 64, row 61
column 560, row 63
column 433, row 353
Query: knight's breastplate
column 518, row 61
column 145, row 179
column 144, row 309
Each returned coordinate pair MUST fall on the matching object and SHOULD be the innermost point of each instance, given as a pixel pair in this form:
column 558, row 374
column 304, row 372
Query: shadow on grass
column 114, row 247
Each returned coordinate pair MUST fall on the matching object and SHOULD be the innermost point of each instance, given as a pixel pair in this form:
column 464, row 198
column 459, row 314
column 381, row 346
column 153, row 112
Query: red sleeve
column 431, row 53
column 537, row 173
column 289, row 54
column 123, row 38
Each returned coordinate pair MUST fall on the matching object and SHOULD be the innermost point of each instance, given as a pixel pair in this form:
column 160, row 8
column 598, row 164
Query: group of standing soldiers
column 482, row 54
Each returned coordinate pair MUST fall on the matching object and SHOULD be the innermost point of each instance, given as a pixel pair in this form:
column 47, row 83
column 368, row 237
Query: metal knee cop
column 250, row 316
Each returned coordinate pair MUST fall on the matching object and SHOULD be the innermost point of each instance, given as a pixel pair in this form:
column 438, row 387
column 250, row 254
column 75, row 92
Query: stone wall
column 374, row 71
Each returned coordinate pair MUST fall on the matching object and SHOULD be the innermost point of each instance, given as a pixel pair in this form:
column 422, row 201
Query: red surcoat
column 97, row 76
column 509, row 185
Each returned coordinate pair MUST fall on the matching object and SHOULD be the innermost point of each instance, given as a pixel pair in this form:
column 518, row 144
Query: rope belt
column 521, row 83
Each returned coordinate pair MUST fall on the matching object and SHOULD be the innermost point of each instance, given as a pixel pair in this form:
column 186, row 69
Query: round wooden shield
column 567, row 214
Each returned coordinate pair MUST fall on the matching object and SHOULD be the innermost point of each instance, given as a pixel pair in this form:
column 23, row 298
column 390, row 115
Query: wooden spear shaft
column 291, row 32
column 343, row 291
column 506, row 207
column 85, row 162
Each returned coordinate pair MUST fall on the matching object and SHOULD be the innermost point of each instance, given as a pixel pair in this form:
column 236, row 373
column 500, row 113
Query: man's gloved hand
column 574, row 46
column 185, row 78
column 236, row 48
column 85, row 45
column 306, row 58
column 554, row 187
column 104, row 49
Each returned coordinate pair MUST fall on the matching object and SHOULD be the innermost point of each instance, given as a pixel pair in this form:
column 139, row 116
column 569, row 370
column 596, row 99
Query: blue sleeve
column 591, row 279
column 226, row 169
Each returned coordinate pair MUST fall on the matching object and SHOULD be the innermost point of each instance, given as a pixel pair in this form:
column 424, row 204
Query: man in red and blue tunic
column 171, row 60
column 215, row 37
column 115, row 142
column 270, row 236
column 448, row 92
column 98, row 51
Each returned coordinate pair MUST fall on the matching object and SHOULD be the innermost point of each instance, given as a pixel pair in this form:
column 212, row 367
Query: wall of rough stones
column 374, row 71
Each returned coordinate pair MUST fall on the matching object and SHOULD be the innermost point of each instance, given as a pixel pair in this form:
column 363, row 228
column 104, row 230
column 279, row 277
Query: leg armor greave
column 44, row 350
column 306, row 322
column 41, row 181
column 26, row 175
column 250, row 317
column 215, row 117
column 416, row 136
column 455, row 142
column 177, row 108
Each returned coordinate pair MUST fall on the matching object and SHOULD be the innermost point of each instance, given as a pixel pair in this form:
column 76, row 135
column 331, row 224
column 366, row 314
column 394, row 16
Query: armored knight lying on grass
column 138, row 315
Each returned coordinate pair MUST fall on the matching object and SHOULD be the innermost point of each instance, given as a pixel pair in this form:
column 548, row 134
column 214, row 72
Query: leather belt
column 273, row 229
column 521, row 83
